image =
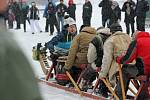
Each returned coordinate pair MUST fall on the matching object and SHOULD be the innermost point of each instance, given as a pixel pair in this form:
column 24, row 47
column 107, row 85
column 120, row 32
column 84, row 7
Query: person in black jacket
column 115, row 15
column 106, row 10
column 71, row 9
column 24, row 10
column 129, row 9
column 61, row 9
column 141, row 8
column 50, row 15
column 87, row 13
column 17, row 11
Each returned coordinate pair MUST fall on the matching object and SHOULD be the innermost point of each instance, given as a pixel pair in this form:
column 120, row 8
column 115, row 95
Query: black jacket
column 71, row 11
column 115, row 15
column 87, row 10
column 141, row 8
column 129, row 17
column 61, row 9
column 106, row 7
column 34, row 12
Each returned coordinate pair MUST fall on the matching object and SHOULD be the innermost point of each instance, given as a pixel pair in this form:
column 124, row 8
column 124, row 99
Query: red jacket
column 138, row 48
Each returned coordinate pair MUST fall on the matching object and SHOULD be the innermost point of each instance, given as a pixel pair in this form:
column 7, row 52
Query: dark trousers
column 104, row 20
column 140, row 23
column 87, row 21
column 48, row 23
column 18, row 21
column 128, row 27
column 52, row 27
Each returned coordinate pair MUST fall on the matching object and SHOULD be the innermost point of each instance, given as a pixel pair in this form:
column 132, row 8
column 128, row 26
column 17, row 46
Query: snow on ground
column 51, row 93
column 28, row 40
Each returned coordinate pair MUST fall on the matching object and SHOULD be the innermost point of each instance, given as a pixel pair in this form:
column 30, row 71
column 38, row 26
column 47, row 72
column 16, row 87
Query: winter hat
column 69, row 21
column 115, row 27
column 70, row 2
column 103, row 30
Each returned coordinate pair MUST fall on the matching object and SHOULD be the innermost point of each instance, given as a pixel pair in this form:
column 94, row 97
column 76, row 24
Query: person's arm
column 107, row 59
column 92, row 54
column 54, row 41
column 72, row 52
column 45, row 11
column 101, row 4
column 130, row 55
column 124, row 7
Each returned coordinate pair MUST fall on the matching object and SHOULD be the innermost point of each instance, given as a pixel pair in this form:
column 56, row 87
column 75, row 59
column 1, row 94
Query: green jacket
column 17, row 81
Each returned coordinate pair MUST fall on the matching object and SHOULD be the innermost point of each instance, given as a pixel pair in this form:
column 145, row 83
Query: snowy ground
column 28, row 40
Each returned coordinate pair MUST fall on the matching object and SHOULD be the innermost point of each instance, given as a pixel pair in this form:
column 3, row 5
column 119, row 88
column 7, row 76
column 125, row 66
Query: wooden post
column 74, row 83
column 110, row 89
column 122, row 83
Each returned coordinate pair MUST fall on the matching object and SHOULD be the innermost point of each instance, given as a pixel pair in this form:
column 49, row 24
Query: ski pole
column 74, row 83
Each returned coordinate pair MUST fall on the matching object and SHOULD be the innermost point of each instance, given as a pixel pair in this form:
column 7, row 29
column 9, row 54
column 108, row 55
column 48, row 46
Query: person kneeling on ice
column 95, row 55
column 117, row 43
column 77, row 58
column 139, row 50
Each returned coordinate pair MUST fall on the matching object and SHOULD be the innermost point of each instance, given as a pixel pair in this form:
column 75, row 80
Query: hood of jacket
column 88, row 30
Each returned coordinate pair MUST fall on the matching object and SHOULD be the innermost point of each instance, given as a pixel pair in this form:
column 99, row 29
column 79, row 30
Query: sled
column 47, row 81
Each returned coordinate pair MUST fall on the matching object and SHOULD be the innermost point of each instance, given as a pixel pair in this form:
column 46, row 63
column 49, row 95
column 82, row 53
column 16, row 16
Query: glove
column 64, row 69
column 118, row 60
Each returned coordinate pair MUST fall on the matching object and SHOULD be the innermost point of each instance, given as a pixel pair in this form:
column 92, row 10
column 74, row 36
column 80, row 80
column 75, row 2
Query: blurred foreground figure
column 17, row 80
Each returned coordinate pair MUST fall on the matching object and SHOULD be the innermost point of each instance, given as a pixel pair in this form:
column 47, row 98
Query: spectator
column 142, row 7
column 71, row 10
column 87, row 13
column 106, row 11
column 129, row 9
column 50, row 15
column 34, row 18
column 61, row 9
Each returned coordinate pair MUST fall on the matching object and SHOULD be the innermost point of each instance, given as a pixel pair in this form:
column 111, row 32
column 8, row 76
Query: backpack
column 36, row 52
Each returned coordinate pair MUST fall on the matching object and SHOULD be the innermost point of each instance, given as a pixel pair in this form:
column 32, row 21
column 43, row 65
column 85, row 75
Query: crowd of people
column 54, row 14
column 101, row 49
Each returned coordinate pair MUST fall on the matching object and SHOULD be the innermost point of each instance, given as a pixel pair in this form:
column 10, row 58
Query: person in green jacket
column 17, row 81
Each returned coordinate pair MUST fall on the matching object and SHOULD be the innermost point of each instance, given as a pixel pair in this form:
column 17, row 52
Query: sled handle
column 122, row 83
column 110, row 89
column 74, row 83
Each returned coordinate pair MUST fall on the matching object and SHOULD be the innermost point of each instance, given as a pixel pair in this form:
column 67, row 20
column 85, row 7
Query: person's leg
column 18, row 22
column 128, row 72
column 142, row 23
column 132, row 28
column 24, row 25
column 47, row 25
column 104, row 19
column 62, row 22
column 38, row 26
column 127, row 28
column 51, row 28
column 32, row 26
column 138, row 22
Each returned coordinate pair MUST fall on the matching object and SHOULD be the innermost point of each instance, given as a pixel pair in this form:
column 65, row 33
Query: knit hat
column 103, row 30
column 69, row 21
column 115, row 27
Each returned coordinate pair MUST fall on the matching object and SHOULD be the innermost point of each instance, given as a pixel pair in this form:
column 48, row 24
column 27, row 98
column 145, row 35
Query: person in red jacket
column 138, row 50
